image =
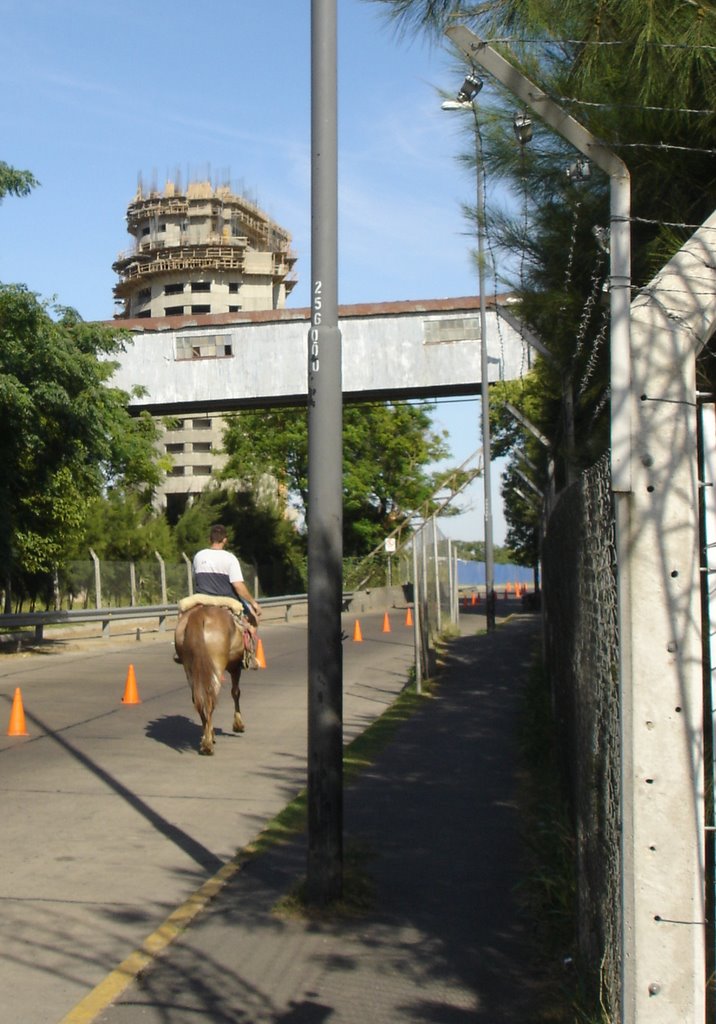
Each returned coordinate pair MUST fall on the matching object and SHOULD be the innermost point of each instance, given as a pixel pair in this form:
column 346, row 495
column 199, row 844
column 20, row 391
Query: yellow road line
column 112, row 987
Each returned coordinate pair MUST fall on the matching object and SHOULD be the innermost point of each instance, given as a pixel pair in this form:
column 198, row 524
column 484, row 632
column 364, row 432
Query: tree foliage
column 14, row 182
column 67, row 433
column 641, row 77
column 259, row 534
column 386, row 452
column 121, row 525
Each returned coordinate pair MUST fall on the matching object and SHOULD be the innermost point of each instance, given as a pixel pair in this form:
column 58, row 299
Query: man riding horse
column 217, row 574
column 215, row 632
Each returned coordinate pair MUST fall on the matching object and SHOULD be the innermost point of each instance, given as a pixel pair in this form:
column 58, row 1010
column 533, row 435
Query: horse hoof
column 207, row 752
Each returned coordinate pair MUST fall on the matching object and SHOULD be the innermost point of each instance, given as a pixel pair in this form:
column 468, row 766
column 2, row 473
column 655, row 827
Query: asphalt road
column 110, row 818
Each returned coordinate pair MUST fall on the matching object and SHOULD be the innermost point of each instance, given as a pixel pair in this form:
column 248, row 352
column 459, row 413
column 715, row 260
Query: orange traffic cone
column 131, row 695
column 386, row 623
column 408, row 617
column 474, row 597
column 260, row 657
column 17, row 725
column 357, row 635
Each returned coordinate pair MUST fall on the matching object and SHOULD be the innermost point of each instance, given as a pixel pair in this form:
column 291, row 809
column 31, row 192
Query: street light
column 465, row 101
column 522, row 127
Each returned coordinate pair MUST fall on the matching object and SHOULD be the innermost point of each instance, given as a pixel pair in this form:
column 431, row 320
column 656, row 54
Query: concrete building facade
column 200, row 250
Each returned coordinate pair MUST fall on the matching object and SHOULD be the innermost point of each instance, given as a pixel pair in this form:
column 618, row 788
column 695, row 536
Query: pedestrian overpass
column 390, row 351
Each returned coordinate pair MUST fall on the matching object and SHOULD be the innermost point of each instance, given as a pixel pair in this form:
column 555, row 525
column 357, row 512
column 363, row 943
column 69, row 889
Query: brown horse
column 209, row 641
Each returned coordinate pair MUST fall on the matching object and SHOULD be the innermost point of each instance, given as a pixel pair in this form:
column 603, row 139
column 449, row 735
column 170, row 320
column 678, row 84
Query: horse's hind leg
column 236, row 693
column 206, row 744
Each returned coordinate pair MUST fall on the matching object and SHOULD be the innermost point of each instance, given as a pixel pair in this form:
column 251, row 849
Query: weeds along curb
column 548, row 889
column 358, row 755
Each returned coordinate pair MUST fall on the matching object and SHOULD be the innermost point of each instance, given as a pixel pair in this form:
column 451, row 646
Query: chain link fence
column 581, row 652
column 421, row 568
column 99, row 583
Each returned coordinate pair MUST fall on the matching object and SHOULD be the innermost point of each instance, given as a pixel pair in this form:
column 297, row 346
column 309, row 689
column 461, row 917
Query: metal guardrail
column 38, row 620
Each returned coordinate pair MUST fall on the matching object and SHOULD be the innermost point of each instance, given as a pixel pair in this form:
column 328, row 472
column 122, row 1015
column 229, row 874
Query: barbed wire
column 602, row 42
column 594, row 354
column 672, row 223
column 661, row 146
column 604, row 398
column 570, row 252
column 596, row 282
column 631, row 106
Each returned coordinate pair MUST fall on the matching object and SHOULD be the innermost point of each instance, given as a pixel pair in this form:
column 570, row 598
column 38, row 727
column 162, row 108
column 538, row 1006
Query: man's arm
column 243, row 591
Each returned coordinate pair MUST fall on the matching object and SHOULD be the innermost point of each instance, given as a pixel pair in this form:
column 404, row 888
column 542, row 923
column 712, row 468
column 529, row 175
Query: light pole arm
column 476, row 49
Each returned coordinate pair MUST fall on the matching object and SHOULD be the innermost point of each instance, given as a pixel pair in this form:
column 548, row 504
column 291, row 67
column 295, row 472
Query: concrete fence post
column 97, row 579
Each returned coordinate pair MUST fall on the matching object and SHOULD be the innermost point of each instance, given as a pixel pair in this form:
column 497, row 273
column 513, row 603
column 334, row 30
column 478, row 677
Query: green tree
column 259, row 534
column 121, row 525
column 642, row 78
column 14, row 182
column 68, row 433
column 386, row 452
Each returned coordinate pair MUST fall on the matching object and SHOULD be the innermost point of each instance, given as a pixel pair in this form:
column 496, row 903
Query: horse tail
column 200, row 669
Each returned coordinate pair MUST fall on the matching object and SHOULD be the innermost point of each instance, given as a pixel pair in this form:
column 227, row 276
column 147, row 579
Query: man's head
column 217, row 534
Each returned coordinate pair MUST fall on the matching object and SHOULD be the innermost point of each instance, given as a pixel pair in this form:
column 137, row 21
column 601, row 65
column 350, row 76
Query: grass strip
column 358, row 755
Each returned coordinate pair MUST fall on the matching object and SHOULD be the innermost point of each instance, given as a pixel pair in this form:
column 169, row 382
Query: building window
column 234, row 309
column 175, row 288
column 176, row 471
column 202, row 470
column 445, row 330
column 201, row 286
column 201, row 424
column 202, row 446
column 162, row 227
column 145, row 231
column 173, row 311
column 203, row 346
column 174, row 447
column 144, row 295
column 201, row 309
column 233, row 287
column 144, row 315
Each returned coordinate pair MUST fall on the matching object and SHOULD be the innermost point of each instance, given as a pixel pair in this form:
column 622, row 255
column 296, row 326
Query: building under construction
column 197, row 251
column 202, row 249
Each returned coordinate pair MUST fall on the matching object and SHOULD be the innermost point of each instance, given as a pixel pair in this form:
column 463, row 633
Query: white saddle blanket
column 227, row 602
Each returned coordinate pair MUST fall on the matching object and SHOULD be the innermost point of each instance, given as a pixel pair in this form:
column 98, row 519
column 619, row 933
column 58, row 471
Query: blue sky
column 95, row 96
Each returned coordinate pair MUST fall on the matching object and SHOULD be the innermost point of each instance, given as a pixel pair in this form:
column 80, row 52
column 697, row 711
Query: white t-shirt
column 214, row 572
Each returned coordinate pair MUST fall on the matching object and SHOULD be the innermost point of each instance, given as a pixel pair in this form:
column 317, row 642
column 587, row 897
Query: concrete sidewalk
column 445, row 941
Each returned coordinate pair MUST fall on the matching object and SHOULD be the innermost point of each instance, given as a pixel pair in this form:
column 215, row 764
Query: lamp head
column 469, row 89
column 522, row 126
column 580, row 170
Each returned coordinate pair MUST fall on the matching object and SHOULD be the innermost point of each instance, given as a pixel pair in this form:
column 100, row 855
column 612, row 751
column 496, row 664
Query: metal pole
column 417, row 621
column 436, row 559
column 484, row 385
column 325, row 525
